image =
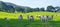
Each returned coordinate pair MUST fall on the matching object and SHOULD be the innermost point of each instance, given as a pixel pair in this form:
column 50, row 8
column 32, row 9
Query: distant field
column 15, row 15
column 13, row 22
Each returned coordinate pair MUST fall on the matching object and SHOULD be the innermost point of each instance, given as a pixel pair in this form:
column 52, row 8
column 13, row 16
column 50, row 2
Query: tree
column 50, row 9
column 29, row 9
column 10, row 8
column 19, row 9
column 36, row 9
column 57, row 8
column 42, row 9
column 3, row 6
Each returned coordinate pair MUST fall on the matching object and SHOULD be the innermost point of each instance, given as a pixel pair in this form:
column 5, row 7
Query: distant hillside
column 10, row 7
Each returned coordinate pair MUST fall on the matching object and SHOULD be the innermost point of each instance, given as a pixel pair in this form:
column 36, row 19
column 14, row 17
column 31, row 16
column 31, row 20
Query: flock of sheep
column 31, row 18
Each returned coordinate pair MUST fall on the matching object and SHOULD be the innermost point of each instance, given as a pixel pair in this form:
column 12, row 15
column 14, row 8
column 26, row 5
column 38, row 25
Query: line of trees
column 10, row 7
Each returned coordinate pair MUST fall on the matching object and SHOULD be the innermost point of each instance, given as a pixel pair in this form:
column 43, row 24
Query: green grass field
column 15, row 15
column 13, row 22
column 27, row 23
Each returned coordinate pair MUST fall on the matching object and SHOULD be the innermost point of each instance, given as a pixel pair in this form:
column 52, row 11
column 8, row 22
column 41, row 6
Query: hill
column 12, row 8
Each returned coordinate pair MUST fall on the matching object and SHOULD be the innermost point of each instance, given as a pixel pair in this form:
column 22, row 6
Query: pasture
column 26, row 23
column 13, row 22
column 34, row 14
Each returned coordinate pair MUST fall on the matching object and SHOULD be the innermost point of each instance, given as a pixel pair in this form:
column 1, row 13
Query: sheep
column 7, row 19
column 31, row 18
column 50, row 18
column 43, row 18
column 20, row 18
column 46, row 18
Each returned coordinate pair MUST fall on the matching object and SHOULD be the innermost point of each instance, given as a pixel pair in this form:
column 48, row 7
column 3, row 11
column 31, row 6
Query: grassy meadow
column 35, row 14
column 13, row 22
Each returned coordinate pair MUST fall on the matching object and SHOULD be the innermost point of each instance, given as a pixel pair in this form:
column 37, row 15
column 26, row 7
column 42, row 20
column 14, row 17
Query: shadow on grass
column 27, row 23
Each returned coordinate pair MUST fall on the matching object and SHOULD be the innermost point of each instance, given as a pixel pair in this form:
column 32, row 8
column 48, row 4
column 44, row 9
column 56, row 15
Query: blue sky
column 35, row 3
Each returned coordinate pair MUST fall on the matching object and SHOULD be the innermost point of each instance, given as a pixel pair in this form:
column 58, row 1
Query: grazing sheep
column 43, row 18
column 20, row 18
column 46, row 18
column 50, row 18
column 7, row 19
column 37, row 16
column 31, row 18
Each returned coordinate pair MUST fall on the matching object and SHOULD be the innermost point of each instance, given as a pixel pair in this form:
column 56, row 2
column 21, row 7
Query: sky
column 35, row 3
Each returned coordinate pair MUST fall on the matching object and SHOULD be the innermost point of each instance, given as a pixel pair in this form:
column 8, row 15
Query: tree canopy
column 10, row 7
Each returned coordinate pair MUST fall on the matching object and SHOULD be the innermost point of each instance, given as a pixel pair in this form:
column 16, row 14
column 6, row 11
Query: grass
column 15, row 15
column 13, row 22
column 27, row 23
